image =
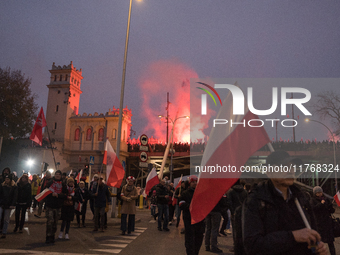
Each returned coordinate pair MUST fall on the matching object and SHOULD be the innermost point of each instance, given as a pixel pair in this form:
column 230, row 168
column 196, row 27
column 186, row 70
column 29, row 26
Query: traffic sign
column 144, row 140
column 143, row 148
column 91, row 160
column 143, row 156
column 143, row 164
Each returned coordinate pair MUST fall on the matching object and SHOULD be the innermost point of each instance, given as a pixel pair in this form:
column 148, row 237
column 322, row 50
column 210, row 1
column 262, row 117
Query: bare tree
column 327, row 106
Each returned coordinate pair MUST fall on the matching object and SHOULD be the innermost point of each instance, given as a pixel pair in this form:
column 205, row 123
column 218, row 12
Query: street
column 145, row 240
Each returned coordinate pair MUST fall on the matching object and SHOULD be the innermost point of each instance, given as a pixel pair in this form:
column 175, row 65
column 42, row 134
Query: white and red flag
column 337, row 198
column 228, row 145
column 43, row 194
column 77, row 206
column 151, row 181
column 36, row 135
column 114, row 169
column 80, row 174
column 174, row 200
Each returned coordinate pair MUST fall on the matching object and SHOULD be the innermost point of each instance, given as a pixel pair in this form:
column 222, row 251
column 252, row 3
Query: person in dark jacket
column 54, row 202
column 8, row 199
column 178, row 194
column 102, row 194
column 224, row 213
column 6, row 171
column 23, row 202
column 43, row 184
column 193, row 233
column 162, row 194
column 235, row 197
column 212, row 222
column 83, row 196
column 323, row 208
column 93, row 190
column 67, row 210
column 271, row 220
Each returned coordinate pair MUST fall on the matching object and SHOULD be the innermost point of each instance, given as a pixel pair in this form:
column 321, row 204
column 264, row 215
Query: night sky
column 206, row 39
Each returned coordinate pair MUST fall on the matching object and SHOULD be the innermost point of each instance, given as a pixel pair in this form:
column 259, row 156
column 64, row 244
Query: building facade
column 77, row 136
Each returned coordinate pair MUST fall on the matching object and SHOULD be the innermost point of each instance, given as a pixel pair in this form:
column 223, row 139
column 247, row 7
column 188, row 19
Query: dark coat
column 8, row 195
column 55, row 202
column 83, row 195
column 323, row 218
column 161, row 192
column 67, row 211
column 269, row 220
column 24, row 194
column 185, row 202
column 235, row 197
column 103, row 194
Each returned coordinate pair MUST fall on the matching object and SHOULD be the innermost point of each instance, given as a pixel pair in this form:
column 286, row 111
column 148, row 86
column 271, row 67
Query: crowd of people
column 272, row 217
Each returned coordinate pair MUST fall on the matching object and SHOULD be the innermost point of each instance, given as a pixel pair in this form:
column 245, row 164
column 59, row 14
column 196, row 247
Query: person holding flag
column 277, row 217
column 56, row 194
column 193, row 232
column 83, row 196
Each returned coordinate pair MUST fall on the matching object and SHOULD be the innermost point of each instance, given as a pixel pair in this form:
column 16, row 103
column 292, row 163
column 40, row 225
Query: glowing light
column 30, row 162
column 307, row 120
column 51, row 170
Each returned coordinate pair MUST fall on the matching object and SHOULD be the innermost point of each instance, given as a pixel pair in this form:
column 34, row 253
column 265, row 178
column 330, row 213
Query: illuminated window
column 101, row 134
column 77, row 134
column 89, row 134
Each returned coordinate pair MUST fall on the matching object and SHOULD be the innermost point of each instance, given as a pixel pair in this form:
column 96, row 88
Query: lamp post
column 172, row 139
column 335, row 175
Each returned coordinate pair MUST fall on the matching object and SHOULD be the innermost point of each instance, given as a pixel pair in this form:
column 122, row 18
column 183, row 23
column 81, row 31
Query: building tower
column 63, row 100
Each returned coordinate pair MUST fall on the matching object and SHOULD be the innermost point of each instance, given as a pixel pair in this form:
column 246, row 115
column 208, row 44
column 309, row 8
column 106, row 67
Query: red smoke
column 174, row 77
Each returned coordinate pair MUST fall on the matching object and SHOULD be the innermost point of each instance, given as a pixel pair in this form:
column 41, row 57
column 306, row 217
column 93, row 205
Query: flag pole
column 49, row 138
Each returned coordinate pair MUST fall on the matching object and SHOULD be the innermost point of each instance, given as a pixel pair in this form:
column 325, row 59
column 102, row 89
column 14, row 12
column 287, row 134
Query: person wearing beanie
column 43, row 184
column 67, row 209
column 323, row 208
column 8, row 199
column 54, row 202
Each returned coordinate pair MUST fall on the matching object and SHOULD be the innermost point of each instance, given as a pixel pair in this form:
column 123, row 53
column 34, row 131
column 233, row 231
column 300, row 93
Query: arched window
column 101, row 134
column 61, row 77
column 114, row 133
column 77, row 134
column 66, row 77
column 89, row 134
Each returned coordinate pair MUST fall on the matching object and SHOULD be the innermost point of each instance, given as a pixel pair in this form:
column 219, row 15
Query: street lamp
column 335, row 175
column 30, row 162
column 172, row 139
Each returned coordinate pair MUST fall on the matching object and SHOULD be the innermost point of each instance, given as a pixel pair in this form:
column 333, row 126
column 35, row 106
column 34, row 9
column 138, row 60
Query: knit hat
column 70, row 180
column 81, row 182
column 192, row 178
column 131, row 178
column 96, row 176
column 317, row 189
column 58, row 171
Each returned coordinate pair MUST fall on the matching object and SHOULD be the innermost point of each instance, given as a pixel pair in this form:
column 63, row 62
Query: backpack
column 239, row 225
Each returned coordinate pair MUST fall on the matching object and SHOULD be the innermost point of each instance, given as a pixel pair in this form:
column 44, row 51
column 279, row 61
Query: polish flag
column 79, row 176
column 36, row 135
column 114, row 170
column 228, row 145
column 151, row 181
column 174, row 200
column 77, row 206
column 43, row 194
column 337, row 198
